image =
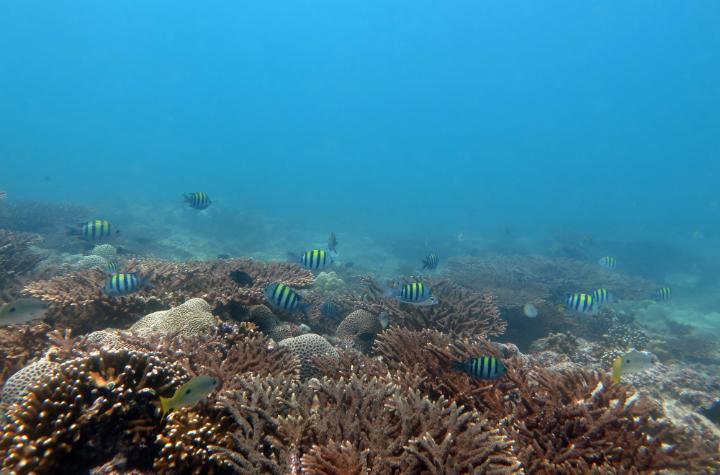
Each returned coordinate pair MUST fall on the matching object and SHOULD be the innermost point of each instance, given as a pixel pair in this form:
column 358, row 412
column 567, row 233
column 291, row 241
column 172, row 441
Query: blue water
column 409, row 121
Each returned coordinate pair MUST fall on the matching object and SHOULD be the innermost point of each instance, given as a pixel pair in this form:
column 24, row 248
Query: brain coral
column 32, row 374
column 106, row 251
column 194, row 317
column 360, row 327
column 307, row 347
column 88, row 262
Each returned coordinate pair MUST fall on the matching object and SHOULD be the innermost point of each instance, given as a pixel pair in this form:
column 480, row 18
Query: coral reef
column 77, row 301
column 19, row 383
column 308, row 347
column 193, row 317
column 90, row 409
column 359, row 329
column 329, row 283
column 19, row 344
column 106, row 251
column 16, row 260
column 460, row 311
column 520, row 279
column 90, row 262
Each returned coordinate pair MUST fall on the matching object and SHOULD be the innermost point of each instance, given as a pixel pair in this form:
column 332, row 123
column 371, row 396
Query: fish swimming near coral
column 384, row 319
column 197, row 200
column 430, row 262
column 283, row 297
column 663, row 294
column 125, row 283
column 602, row 297
column 482, row 367
column 315, row 259
column 414, row 293
column 332, row 309
column 581, row 303
column 608, row 262
column 633, row 361
column 112, row 267
column 530, row 310
column 96, row 230
column 332, row 242
column 189, row 394
column 22, row 310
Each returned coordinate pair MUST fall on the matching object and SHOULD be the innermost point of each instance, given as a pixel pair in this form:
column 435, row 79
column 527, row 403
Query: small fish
column 482, row 367
column 124, row 283
column 22, row 310
column 315, row 259
column 332, row 310
column 530, row 310
column 281, row 296
column 198, row 200
column 608, row 262
column 189, row 393
column 384, row 319
column 581, row 303
column 602, row 296
column 97, row 230
column 431, row 261
column 332, row 242
column 414, row 293
column 3, row 195
column 663, row 294
column 112, row 267
column 633, row 361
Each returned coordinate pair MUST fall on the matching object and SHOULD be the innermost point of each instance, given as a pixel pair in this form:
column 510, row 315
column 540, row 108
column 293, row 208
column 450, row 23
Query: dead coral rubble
column 76, row 299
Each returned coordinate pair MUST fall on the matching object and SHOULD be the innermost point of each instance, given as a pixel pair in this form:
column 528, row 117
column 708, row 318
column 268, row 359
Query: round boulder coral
column 106, row 251
column 307, row 347
column 19, row 383
column 194, row 317
column 360, row 327
column 263, row 317
column 90, row 262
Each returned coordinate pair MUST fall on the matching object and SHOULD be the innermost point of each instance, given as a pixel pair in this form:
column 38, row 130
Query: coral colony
column 374, row 389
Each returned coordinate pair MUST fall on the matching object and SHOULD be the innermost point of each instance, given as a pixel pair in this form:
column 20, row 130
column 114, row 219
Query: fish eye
column 13, row 309
column 188, row 391
column 627, row 361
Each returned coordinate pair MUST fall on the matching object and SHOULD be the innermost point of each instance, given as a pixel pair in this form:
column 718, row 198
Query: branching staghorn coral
column 19, row 344
column 16, row 261
column 90, row 409
column 76, row 299
column 460, row 311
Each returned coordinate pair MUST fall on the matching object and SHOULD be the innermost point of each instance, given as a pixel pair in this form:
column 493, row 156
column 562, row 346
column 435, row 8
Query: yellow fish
column 631, row 362
column 189, row 393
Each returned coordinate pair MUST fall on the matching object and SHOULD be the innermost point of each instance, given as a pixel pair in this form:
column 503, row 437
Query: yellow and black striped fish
column 315, row 259
column 482, row 367
column 96, row 230
column 431, row 261
column 602, row 296
column 415, row 293
column 663, row 294
column 281, row 296
column 608, row 262
column 581, row 303
column 112, row 267
column 198, row 200
column 124, row 283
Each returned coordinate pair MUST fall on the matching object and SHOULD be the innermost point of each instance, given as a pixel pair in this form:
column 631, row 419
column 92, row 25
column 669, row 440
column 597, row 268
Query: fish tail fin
column 617, row 369
column 165, row 405
column 187, row 198
column 145, row 280
column 73, row 231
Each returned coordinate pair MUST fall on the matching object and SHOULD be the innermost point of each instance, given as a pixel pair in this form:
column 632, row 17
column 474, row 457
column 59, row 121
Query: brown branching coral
column 460, row 311
column 77, row 300
column 391, row 430
column 16, row 260
column 90, row 409
column 519, row 279
column 19, row 344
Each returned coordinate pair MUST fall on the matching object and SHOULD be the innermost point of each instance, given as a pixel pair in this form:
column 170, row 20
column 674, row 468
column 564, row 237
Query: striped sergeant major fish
column 602, row 296
column 414, row 293
column 608, row 262
column 112, row 267
column 124, row 283
column 663, row 294
column 198, row 200
column 315, row 259
column 431, row 261
column 482, row 367
column 96, row 230
column 581, row 303
column 281, row 296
